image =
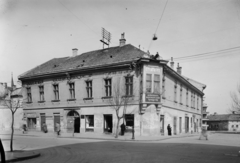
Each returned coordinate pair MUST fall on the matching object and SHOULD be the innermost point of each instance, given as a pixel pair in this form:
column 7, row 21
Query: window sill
column 55, row 100
column 28, row 102
column 163, row 97
column 175, row 101
column 107, row 97
column 88, row 98
column 128, row 96
column 71, row 99
column 41, row 101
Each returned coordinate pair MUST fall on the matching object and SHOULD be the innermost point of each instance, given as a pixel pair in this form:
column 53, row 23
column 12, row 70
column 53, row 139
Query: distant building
column 204, row 114
column 74, row 91
column 5, row 113
column 224, row 122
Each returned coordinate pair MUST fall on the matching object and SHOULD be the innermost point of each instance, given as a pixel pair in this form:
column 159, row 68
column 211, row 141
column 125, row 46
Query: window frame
column 89, row 89
column 41, row 93
column 29, row 94
column 56, row 91
column 149, row 83
column 71, row 91
column 128, row 85
column 156, row 82
column 108, row 87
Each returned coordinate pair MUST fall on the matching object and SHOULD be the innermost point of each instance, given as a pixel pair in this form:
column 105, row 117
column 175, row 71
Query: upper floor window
column 72, row 90
column 108, row 87
column 197, row 102
column 41, row 92
column 56, row 91
column 181, row 94
column 194, row 97
column 163, row 87
column 129, row 85
column 89, row 88
column 175, row 92
column 191, row 99
column 29, row 95
column 156, row 83
column 187, row 98
column 149, row 83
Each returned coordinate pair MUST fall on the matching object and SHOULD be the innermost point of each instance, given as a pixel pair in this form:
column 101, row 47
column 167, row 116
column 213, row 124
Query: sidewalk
column 98, row 136
column 20, row 156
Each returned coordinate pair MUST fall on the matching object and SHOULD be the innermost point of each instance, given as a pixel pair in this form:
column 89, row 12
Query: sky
column 206, row 31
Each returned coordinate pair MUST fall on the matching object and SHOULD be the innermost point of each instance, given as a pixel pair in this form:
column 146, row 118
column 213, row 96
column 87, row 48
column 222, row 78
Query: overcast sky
column 35, row 31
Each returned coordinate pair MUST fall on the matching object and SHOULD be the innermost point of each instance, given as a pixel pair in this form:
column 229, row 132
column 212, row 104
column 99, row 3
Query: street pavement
column 185, row 148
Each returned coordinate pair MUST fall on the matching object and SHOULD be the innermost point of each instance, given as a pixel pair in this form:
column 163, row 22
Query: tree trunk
column 11, row 143
column 117, row 127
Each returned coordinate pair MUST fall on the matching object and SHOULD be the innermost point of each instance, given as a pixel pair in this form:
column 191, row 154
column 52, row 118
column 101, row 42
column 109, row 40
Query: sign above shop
column 151, row 97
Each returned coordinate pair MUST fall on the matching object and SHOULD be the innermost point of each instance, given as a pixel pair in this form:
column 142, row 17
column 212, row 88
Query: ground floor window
column 89, row 123
column 108, row 123
column 129, row 118
column 32, row 123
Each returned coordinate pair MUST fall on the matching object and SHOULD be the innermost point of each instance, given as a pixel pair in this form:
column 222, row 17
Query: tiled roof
column 88, row 59
column 17, row 92
column 224, row 117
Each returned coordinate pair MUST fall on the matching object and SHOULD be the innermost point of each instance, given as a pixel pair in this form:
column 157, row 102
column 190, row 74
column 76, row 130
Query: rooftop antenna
column 106, row 37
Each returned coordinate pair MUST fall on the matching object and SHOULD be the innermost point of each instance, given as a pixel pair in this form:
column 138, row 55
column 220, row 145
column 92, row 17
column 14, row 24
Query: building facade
column 77, row 92
column 224, row 122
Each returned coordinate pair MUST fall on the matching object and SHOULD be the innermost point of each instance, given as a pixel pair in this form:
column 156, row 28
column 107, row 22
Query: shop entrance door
column 162, row 124
column 77, row 125
column 107, row 123
column 56, row 120
column 186, row 124
column 175, row 125
column 32, row 123
column 43, row 120
column 73, row 122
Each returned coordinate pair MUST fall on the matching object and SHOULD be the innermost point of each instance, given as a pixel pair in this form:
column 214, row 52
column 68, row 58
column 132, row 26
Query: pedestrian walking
column 24, row 128
column 123, row 128
column 204, row 132
column 169, row 130
column 58, row 128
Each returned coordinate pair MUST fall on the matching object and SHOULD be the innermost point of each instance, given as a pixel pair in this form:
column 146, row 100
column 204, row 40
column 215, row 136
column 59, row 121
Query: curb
column 24, row 158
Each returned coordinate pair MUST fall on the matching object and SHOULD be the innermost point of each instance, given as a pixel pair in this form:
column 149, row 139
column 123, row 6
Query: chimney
column 172, row 63
column 74, row 52
column 122, row 40
column 179, row 69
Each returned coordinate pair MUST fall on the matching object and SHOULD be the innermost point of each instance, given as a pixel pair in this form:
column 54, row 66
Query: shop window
column 72, row 90
column 108, row 87
column 129, row 118
column 41, row 93
column 157, row 84
column 89, row 88
column 129, row 85
column 149, row 83
column 29, row 95
column 56, row 91
column 89, row 122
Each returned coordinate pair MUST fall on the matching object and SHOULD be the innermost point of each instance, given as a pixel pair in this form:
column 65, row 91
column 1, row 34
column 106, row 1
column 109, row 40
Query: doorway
column 56, row 120
column 186, row 124
column 180, row 124
column 107, row 123
column 43, row 120
column 73, row 121
column 32, row 123
column 175, row 125
column 162, row 124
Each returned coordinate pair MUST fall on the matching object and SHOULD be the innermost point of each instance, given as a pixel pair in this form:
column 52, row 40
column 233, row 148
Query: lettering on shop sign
column 150, row 97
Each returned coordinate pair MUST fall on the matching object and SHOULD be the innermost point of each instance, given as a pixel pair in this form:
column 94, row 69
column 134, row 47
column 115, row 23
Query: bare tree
column 119, row 102
column 235, row 96
column 12, row 104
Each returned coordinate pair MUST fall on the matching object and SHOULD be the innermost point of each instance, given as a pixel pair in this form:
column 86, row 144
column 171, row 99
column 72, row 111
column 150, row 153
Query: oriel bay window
column 41, row 93
column 56, row 92
column 129, row 85
column 71, row 91
column 163, row 87
column 157, row 84
column 89, row 88
column 108, row 87
column 149, row 83
column 29, row 95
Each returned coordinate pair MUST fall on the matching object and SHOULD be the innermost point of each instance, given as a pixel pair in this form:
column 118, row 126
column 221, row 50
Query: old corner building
column 74, row 91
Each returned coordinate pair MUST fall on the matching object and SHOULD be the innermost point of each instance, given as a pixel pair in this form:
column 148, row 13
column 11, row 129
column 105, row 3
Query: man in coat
column 169, row 130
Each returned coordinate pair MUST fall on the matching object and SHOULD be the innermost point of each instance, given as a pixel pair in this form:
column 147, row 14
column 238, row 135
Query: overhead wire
column 158, row 23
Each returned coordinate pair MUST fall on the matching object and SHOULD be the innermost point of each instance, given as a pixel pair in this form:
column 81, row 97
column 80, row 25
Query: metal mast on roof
column 106, row 37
